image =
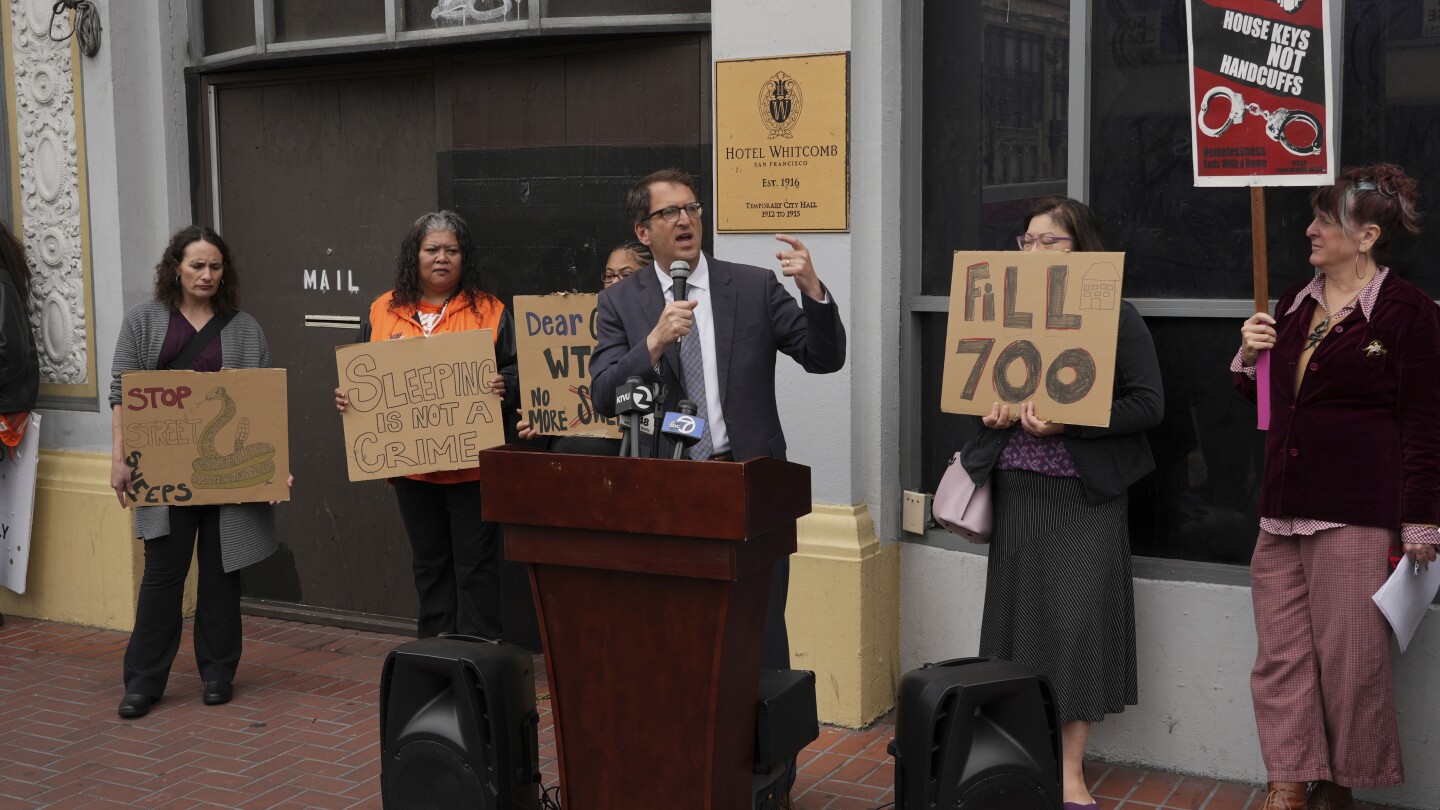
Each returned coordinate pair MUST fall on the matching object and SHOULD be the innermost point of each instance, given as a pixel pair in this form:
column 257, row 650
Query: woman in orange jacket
column 456, row 555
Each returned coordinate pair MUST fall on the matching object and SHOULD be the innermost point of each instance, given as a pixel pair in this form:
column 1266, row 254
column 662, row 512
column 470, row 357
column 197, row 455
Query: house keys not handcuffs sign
column 1261, row 92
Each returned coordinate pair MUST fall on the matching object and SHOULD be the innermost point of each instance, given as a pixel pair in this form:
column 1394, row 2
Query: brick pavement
column 303, row 732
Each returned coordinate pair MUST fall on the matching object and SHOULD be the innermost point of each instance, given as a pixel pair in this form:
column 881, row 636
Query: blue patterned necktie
column 692, row 365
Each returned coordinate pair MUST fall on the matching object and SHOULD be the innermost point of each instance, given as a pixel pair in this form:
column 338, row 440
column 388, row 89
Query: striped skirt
column 1059, row 597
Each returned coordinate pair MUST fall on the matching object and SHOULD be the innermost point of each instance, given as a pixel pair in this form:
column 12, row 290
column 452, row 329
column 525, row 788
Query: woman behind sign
column 193, row 323
column 455, row 555
column 1352, row 469
column 1058, row 591
column 19, row 362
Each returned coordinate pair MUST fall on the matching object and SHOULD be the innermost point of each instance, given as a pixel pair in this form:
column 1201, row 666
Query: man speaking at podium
column 738, row 317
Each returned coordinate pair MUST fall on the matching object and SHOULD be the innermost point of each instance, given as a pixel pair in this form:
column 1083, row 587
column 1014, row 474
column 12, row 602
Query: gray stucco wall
column 842, row 425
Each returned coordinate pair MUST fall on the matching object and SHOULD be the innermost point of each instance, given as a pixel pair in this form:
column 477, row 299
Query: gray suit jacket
column 247, row 530
column 755, row 318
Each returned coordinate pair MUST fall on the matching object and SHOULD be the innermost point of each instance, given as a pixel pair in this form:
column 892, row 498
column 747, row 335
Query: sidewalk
column 303, row 731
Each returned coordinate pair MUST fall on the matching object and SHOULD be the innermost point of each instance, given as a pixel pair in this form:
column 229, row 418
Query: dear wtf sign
column 419, row 405
column 556, row 336
column 193, row 437
column 1037, row 327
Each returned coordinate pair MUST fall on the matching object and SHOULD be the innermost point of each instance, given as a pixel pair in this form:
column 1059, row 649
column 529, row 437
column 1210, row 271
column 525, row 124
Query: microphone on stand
column 684, row 429
column 633, row 399
column 679, row 273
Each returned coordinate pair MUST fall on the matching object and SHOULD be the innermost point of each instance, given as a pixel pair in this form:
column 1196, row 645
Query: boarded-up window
column 298, row 20
column 229, row 24
column 615, row 8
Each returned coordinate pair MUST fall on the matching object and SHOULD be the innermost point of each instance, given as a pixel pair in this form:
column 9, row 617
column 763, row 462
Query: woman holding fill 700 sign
column 455, row 555
column 1058, row 593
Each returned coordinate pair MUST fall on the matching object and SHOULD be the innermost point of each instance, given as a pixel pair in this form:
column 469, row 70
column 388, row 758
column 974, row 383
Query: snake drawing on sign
column 247, row 466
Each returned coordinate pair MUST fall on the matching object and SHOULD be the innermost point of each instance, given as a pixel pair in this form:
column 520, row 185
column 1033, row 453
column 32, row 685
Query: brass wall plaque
column 782, row 144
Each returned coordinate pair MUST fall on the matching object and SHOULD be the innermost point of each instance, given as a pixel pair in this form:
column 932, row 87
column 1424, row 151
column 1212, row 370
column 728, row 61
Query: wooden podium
column 651, row 579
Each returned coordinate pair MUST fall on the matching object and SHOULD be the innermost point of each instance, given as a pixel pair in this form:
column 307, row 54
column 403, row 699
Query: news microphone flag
column 634, row 397
column 683, row 427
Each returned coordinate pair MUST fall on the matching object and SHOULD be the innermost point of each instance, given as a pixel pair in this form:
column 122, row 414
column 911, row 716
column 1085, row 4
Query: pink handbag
column 962, row 507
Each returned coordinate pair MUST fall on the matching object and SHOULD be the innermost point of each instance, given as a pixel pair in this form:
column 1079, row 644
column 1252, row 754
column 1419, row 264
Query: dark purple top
column 1039, row 454
column 177, row 334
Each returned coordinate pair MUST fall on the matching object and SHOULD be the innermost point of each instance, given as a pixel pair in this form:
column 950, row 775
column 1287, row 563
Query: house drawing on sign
column 1100, row 288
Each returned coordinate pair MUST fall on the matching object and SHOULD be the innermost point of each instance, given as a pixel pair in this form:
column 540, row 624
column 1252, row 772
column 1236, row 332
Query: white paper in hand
column 1406, row 596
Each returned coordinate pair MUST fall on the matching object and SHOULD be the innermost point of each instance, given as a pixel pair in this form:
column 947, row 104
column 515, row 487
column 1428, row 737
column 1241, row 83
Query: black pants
column 775, row 649
column 456, row 557
column 158, row 618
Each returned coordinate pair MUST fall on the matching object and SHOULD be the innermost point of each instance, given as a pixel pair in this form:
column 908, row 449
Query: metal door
column 318, row 177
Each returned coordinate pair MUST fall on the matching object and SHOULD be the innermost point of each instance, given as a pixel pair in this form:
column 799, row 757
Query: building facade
column 312, row 133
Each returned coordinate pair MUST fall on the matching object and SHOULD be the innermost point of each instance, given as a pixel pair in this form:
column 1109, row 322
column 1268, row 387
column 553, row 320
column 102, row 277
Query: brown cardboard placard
column 555, row 336
column 206, row 437
column 1033, row 326
column 419, row 405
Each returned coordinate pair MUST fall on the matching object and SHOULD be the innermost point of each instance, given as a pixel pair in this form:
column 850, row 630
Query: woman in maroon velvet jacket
column 1352, row 469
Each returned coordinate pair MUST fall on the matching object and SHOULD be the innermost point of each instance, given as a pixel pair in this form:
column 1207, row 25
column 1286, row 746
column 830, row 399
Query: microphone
column 636, row 400
column 632, row 397
column 684, row 429
column 679, row 272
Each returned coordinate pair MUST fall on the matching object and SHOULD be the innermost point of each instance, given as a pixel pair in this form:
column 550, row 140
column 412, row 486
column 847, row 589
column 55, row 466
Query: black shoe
column 217, row 692
column 133, row 705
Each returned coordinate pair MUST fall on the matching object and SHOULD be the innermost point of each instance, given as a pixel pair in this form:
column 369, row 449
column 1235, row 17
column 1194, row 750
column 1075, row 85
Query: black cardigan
column 19, row 362
column 1108, row 459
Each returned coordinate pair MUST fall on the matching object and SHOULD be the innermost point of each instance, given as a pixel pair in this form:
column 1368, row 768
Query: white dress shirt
column 697, row 288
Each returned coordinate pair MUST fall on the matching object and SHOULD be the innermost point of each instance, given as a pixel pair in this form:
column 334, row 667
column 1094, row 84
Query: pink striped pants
column 1321, row 683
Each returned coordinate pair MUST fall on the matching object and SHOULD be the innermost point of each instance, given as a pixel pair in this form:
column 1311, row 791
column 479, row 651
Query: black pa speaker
column 976, row 734
column 458, row 726
column 785, row 722
column 786, row 719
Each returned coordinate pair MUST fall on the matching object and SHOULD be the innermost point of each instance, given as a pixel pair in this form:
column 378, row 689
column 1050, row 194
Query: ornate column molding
column 51, row 202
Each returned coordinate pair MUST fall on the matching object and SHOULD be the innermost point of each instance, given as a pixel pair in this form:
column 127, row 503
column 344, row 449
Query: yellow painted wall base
column 85, row 568
column 843, row 614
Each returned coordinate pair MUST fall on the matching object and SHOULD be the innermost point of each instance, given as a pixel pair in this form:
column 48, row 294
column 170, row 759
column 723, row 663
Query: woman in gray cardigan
column 195, row 283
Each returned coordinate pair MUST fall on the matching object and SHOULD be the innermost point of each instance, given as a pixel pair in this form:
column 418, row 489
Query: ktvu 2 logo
column 642, row 399
column 780, row 102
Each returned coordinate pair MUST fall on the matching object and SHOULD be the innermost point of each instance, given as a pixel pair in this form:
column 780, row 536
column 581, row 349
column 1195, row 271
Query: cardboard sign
column 1260, row 92
column 18, row 469
column 556, row 337
column 782, row 144
column 201, row 437
column 1033, row 326
column 419, row 405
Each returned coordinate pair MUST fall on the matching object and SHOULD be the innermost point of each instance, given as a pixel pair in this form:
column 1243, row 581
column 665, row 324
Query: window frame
column 266, row 47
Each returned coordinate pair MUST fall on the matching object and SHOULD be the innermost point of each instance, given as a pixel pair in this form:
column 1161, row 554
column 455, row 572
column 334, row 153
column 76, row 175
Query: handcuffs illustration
column 1275, row 122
